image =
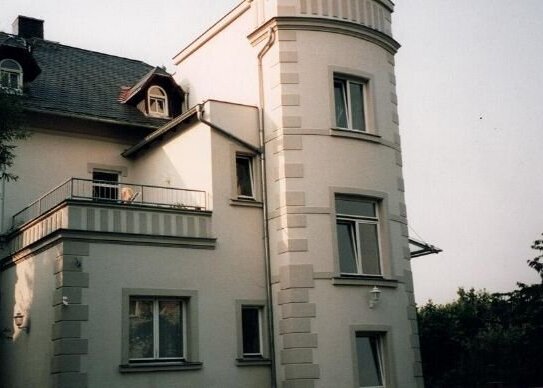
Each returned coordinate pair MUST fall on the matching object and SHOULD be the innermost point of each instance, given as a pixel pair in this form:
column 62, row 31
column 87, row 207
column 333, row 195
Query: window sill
column 245, row 202
column 157, row 367
column 361, row 280
column 353, row 134
column 253, row 361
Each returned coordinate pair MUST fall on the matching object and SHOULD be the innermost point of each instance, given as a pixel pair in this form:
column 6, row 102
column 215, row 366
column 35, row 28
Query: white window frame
column 156, row 333
column 260, row 354
column 9, row 71
column 355, row 221
column 151, row 96
column 347, row 81
column 251, row 176
column 380, row 357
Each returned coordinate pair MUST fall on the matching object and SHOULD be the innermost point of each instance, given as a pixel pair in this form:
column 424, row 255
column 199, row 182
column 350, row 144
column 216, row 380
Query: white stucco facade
column 262, row 84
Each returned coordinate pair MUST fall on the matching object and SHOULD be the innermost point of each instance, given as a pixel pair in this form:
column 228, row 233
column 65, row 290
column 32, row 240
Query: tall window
column 358, row 235
column 350, row 104
column 244, row 175
column 105, row 185
column 251, row 327
column 369, row 354
column 156, row 329
column 11, row 75
column 157, row 101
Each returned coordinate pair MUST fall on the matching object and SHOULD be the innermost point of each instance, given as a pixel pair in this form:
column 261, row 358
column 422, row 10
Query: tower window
column 11, row 75
column 349, row 102
column 157, row 101
column 357, row 221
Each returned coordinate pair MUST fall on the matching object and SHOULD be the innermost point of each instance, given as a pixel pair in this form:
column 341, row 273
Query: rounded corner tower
column 344, row 310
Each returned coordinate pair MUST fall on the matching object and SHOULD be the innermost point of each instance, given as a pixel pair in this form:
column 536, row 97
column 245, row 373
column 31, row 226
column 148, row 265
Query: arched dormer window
column 11, row 75
column 157, row 101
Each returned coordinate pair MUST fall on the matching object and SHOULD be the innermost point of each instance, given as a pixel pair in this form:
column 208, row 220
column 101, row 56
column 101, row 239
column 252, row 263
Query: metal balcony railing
column 113, row 192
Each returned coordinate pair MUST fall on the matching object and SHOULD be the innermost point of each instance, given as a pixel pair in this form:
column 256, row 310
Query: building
column 239, row 224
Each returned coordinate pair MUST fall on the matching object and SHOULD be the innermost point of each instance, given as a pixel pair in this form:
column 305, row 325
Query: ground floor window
column 370, row 365
column 251, row 321
column 156, row 329
column 159, row 330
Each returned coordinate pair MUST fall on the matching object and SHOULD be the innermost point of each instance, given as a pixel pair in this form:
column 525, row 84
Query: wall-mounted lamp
column 375, row 295
column 19, row 319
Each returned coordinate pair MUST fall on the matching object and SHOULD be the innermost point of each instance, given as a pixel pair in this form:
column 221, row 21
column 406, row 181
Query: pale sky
column 469, row 88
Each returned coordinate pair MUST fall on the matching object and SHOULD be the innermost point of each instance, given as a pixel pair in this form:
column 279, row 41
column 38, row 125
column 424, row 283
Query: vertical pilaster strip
column 297, row 340
column 69, row 315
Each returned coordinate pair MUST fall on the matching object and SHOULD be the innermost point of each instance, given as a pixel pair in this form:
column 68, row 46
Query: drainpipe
column 263, row 185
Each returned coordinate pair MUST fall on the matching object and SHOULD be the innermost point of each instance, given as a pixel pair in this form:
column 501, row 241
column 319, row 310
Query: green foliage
column 483, row 338
column 536, row 263
column 12, row 128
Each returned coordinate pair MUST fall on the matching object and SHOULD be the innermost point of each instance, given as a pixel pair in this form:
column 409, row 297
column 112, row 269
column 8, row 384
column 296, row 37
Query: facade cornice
column 326, row 25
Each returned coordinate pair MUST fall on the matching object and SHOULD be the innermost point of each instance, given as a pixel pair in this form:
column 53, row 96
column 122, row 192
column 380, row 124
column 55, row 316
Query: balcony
column 123, row 210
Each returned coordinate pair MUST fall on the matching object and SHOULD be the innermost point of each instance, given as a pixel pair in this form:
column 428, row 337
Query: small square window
column 245, row 177
column 105, row 185
column 349, row 103
column 251, row 328
column 156, row 329
column 357, row 227
column 369, row 360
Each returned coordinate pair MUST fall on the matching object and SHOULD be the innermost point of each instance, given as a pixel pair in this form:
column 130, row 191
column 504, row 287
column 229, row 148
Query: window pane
column 10, row 64
column 346, row 247
column 160, row 106
column 369, row 248
column 250, row 330
column 357, row 106
column 244, row 178
column 170, row 328
column 368, row 357
column 340, row 98
column 355, row 207
column 141, row 329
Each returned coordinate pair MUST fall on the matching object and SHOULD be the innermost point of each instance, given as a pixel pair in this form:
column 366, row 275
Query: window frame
column 384, row 335
column 262, row 358
column 250, row 160
column 355, row 221
column 18, row 73
column 157, row 97
column 156, row 330
column 190, row 357
column 98, row 185
column 346, row 81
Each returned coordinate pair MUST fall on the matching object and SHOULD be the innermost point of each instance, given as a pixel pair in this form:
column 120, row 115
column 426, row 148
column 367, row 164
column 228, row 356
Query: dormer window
column 11, row 75
column 157, row 102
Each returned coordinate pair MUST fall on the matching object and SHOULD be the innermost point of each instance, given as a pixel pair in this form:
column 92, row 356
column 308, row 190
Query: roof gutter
column 90, row 118
column 158, row 133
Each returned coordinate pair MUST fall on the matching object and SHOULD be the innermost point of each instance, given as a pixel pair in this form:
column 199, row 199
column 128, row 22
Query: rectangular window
column 244, row 176
column 251, row 329
column 357, row 226
column 105, row 185
column 369, row 354
column 349, row 102
column 156, row 329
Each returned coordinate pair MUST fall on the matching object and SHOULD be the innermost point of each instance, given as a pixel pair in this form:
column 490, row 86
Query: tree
column 484, row 338
column 12, row 128
column 536, row 263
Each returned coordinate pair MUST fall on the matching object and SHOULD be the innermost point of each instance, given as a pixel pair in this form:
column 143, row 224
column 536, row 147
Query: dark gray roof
column 84, row 83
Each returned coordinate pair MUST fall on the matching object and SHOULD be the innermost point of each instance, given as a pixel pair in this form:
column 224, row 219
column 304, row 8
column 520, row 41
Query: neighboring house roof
column 83, row 83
